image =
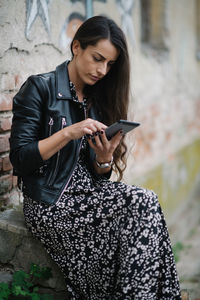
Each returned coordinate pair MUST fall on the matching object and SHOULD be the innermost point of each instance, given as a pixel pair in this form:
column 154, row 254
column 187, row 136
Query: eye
column 96, row 58
column 111, row 63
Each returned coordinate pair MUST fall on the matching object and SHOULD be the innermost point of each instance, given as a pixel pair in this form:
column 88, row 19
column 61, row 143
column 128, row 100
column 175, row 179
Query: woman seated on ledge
column 109, row 239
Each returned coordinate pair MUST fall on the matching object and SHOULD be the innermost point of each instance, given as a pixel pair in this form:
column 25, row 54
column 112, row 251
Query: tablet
column 123, row 125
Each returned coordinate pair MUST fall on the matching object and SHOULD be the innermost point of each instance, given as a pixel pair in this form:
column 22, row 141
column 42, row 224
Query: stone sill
column 19, row 249
column 12, row 220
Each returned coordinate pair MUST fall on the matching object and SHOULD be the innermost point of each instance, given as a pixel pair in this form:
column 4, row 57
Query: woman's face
column 94, row 62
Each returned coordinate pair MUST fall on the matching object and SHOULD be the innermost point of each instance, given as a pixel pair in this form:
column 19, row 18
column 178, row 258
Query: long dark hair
column 111, row 94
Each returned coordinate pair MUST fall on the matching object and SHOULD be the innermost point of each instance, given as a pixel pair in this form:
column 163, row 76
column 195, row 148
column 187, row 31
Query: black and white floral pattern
column 109, row 239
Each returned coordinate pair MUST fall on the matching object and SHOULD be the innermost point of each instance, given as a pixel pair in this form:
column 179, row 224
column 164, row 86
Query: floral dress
column 109, row 239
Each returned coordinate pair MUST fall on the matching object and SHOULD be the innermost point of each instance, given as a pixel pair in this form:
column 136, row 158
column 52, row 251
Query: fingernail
column 102, row 131
column 97, row 133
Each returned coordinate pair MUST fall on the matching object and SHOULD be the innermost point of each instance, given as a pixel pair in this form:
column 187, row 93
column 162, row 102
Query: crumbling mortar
column 6, row 114
column 4, row 153
column 49, row 44
column 28, row 52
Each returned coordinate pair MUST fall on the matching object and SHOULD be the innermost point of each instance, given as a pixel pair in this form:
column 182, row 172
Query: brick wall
column 9, row 84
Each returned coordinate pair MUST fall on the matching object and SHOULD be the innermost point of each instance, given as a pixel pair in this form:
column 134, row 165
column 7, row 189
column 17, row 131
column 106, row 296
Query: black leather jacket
column 42, row 107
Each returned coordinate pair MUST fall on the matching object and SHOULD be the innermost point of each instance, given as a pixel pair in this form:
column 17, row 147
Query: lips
column 95, row 78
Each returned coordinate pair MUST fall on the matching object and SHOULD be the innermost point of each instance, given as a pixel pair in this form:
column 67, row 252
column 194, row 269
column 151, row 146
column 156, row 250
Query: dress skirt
column 109, row 239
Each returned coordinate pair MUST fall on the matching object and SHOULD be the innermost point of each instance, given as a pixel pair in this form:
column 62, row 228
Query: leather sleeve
column 26, row 125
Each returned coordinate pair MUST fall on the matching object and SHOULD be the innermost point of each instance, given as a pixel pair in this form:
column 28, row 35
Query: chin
column 91, row 82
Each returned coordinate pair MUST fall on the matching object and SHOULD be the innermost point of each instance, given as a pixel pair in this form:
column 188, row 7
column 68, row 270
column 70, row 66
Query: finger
column 98, row 141
column 91, row 128
column 104, row 139
column 99, row 126
column 91, row 143
column 87, row 131
column 116, row 139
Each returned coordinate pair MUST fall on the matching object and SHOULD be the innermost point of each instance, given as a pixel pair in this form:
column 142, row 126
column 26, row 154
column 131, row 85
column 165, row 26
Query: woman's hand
column 88, row 126
column 51, row 145
column 103, row 147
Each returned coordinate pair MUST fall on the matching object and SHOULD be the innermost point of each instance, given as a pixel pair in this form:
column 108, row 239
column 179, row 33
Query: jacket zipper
column 71, row 172
column 51, row 179
column 50, row 125
column 68, row 181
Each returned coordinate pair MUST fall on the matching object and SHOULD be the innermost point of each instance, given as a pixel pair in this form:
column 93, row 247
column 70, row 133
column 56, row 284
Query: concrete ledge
column 19, row 249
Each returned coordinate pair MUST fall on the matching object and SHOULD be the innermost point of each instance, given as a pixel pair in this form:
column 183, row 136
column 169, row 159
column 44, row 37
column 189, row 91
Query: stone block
column 4, row 199
column 9, row 243
column 19, row 249
column 5, row 184
column 5, row 277
column 13, row 198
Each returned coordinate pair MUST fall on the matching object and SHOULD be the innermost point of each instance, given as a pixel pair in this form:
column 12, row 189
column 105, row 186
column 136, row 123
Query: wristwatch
column 105, row 164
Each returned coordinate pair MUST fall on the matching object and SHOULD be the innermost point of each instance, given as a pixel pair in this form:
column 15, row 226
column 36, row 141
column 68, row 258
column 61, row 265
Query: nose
column 102, row 69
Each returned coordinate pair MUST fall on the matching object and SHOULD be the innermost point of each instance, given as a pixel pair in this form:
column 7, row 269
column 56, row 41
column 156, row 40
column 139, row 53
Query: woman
column 109, row 239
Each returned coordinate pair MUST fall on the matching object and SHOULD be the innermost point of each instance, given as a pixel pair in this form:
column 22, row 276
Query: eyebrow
column 113, row 61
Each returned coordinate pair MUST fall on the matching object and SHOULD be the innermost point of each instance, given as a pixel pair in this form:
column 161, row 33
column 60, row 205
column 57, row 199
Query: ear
column 76, row 47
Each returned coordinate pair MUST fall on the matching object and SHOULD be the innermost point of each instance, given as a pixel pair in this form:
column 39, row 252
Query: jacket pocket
column 56, row 157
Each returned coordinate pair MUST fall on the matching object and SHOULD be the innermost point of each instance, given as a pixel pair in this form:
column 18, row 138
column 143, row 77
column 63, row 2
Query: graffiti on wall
column 126, row 9
column 40, row 9
column 69, row 28
column 35, row 9
column 75, row 19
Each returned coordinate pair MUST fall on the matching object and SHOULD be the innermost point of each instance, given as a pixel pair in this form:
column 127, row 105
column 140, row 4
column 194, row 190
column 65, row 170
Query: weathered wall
column 166, row 96
column 164, row 151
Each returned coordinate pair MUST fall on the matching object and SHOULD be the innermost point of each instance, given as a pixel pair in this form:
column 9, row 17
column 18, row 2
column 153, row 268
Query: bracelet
column 105, row 164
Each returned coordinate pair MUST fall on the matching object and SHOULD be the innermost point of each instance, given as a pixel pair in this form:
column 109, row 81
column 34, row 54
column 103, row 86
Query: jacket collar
column 62, row 82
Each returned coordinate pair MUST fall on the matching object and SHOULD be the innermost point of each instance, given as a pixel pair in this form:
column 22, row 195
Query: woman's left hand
column 103, row 147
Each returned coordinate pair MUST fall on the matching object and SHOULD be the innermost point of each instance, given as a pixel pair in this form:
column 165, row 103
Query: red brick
column 5, row 124
column 6, row 164
column 6, row 101
column 7, row 82
column 4, row 142
column 18, row 81
column 5, row 183
column 1, row 164
column 14, row 181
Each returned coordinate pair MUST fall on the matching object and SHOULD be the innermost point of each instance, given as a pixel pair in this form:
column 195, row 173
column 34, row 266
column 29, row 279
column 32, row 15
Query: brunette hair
column 110, row 95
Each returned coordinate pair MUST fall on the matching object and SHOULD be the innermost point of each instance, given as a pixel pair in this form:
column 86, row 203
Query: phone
column 123, row 125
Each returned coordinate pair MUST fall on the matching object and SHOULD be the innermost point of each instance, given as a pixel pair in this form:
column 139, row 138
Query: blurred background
column 164, row 152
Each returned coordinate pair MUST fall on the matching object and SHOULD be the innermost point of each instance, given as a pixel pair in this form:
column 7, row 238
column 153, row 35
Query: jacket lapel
column 62, row 82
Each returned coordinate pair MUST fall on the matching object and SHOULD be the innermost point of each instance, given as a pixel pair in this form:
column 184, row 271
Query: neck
column 73, row 75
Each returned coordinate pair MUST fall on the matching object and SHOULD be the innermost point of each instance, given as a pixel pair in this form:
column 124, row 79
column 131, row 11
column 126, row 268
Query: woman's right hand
column 88, row 126
column 49, row 146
